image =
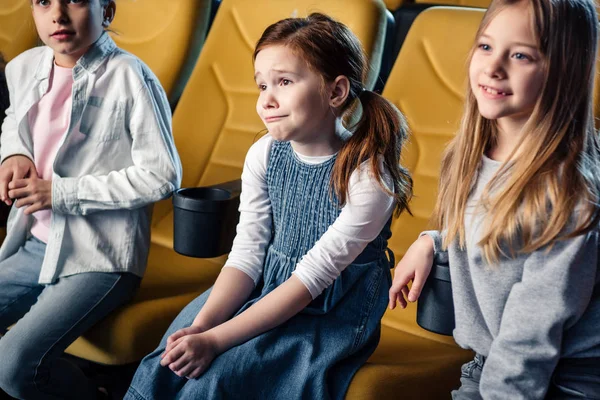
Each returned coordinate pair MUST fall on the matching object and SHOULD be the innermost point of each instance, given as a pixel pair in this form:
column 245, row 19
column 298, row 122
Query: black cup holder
column 435, row 308
column 205, row 219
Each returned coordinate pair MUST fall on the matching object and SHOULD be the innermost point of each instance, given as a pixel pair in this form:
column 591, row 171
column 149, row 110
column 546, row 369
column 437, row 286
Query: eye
column 262, row 87
column 285, row 82
column 521, row 56
column 484, row 47
column 43, row 3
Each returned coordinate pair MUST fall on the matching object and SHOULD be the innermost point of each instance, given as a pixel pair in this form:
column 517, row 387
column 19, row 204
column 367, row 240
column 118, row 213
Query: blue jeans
column 48, row 319
column 572, row 379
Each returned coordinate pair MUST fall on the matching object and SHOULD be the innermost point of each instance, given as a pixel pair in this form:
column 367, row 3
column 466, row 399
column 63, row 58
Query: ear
column 340, row 88
column 109, row 13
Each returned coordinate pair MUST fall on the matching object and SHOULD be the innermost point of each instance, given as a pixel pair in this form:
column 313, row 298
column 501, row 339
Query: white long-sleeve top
column 362, row 218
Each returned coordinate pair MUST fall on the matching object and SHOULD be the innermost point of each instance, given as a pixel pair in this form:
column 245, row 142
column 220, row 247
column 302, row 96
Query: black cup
column 205, row 219
column 435, row 308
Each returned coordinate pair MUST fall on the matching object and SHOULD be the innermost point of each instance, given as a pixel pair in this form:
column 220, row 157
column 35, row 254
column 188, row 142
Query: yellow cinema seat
column 167, row 38
column 393, row 4
column 215, row 123
column 17, row 30
column 427, row 83
column 461, row 3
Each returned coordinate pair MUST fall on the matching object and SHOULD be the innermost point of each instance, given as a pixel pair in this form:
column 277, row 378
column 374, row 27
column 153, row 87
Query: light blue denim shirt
column 104, row 179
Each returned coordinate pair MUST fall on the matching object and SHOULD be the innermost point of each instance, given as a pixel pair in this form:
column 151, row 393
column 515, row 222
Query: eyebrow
column 533, row 46
column 281, row 71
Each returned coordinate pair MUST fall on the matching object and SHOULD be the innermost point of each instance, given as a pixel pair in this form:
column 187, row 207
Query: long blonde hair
column 556, row 166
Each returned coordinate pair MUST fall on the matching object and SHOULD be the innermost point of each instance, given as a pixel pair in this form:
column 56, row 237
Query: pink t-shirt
column 49, row 120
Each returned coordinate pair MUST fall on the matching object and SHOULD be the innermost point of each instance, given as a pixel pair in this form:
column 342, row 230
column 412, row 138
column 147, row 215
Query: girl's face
column 70, row 27
column 507, row 69
column 293, row 102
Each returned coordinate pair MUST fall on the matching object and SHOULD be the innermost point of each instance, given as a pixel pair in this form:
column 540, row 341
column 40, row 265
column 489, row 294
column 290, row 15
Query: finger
column 392, row 302
column 4, row 180
column 172, row 345
column 177, row 335
column 177, row 365
column 19, row 193
column 196, row 373
column 186, row 369
column 417, row 286
column 33, row 208
column 25, row 201
column 402, row 301
column 401, row 277
column 405, row 291
column 18, row 183
column 172, row 355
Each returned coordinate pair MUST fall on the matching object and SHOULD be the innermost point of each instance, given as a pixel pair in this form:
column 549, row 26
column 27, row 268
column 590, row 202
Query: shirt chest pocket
column 102, row 120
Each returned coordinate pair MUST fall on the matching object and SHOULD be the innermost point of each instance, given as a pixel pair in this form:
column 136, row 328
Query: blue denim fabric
column 315, row 354
column 48, row 319
column 572, row 379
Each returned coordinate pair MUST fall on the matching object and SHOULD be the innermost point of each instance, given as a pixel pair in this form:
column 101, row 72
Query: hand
column 33, row 192
column 15, row 167
column 416, row 266
column 190, row 355
column 183, row 332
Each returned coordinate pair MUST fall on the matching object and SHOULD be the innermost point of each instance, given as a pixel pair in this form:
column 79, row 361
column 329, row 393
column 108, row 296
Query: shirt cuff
column 64, row 195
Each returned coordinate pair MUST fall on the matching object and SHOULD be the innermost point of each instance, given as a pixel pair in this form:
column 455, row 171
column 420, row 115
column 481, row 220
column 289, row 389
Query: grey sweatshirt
column 524, row 313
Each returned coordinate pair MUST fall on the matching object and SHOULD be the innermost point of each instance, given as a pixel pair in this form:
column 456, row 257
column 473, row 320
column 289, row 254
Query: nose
column 495, row 67
column 268, row 100
column 59, row 13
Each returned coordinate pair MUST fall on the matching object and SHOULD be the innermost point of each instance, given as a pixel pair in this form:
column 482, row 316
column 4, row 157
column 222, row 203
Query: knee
column 15, row 378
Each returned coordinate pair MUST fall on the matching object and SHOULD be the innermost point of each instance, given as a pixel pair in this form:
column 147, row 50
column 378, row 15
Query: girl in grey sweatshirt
column 517, row 211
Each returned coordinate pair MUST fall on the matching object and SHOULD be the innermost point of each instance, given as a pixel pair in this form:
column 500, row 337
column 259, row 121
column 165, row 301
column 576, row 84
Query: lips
column 62, row 34
column 494, row 91
column 274, row 118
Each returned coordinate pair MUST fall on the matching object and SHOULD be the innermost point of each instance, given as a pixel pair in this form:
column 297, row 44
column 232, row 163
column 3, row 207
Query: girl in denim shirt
column 296, row 310
column 86, row 147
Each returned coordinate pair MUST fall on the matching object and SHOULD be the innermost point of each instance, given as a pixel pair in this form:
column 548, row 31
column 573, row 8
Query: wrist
column 426, row 245
column 216, row 339
column 202, row 325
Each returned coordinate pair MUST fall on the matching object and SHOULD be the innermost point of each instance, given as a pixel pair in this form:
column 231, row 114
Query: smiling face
column 507, row 69
column 293, row 100
column 70, row 27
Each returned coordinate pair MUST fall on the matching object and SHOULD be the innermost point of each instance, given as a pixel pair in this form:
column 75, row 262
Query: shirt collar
column 90, row 61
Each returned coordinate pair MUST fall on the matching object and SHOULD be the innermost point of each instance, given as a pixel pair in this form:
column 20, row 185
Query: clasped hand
column 19, row 180
column 189, row 352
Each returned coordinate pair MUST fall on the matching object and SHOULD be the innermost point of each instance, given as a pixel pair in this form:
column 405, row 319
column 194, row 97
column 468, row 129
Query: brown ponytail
column 331, row 50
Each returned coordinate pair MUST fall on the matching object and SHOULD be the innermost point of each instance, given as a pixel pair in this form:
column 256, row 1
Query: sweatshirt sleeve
column 254, row 230
column 440, row 255
column 555, row 290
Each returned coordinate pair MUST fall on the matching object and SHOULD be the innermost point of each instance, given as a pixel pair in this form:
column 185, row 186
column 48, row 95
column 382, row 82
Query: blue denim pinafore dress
column 316, row 353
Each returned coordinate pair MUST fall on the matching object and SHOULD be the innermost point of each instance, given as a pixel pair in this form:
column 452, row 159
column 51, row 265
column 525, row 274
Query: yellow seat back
column 214, row 124
column 17, row 30
column 393, row 4
column 427, row 84
column 167, row 38
column 462, row 3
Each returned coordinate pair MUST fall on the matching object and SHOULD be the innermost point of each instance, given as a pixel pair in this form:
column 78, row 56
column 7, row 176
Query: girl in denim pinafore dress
column 296, row 310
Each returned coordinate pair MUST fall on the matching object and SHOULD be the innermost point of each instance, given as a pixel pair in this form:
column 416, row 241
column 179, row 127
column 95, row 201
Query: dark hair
column 4, row 99
column 331, row 50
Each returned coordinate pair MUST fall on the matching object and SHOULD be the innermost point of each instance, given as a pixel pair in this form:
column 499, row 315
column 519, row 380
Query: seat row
column 214, row 124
